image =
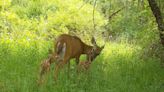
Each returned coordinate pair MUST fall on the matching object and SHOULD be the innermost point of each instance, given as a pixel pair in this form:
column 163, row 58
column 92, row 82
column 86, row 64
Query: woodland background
column 132, row 60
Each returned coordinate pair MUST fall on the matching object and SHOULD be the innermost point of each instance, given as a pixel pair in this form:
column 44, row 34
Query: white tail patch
column 62, row 54
column 63, row 50
column 58, row 44
column 57, row 49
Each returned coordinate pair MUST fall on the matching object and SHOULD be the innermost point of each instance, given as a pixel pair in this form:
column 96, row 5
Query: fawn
column 85, row 65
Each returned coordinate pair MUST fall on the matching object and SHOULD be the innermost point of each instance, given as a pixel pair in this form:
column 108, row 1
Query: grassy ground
column 117, row 69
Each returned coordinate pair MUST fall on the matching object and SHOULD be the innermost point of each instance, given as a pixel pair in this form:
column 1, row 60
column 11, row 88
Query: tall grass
column 118, row 69
column 26, row 27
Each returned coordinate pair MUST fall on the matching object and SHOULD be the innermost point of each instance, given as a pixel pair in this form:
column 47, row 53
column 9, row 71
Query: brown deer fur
column 68, row 47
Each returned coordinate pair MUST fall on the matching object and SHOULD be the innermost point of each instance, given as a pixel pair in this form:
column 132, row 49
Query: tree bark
column 158, row 16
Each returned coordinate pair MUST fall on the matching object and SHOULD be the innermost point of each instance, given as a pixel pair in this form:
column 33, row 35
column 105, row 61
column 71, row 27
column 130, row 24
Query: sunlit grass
column 118, row 69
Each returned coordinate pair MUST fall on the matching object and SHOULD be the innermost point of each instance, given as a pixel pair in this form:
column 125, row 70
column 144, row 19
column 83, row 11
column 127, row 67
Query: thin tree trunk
column 158, row 16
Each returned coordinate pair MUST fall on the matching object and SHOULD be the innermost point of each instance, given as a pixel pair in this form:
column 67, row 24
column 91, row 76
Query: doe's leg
column 59, row 66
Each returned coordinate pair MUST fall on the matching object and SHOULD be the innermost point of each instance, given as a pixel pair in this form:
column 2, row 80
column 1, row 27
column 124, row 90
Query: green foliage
column 130, row 63
column 4, row 4
column 132, row 22
column 48, row 18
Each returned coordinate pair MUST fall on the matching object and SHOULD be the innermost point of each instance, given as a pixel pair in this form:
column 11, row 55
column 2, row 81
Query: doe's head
column 96, row 50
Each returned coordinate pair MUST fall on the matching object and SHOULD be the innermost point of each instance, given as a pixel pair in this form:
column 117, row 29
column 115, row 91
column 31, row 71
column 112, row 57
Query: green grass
column 118, row 69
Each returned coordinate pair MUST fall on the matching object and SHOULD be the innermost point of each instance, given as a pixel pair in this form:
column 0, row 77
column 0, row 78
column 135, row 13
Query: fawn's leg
column 59, row 66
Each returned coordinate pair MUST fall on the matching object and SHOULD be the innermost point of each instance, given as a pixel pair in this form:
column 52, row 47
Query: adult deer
column 68, row 47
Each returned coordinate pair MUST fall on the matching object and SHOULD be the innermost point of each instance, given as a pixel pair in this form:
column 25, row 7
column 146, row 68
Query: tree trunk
column 158, row 16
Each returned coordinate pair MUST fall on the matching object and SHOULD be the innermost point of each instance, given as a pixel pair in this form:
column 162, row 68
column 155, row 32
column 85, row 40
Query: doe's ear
column 93, row 41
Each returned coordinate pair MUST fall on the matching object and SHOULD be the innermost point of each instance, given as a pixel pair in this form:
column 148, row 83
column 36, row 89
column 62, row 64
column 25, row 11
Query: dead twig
column 113, row 14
